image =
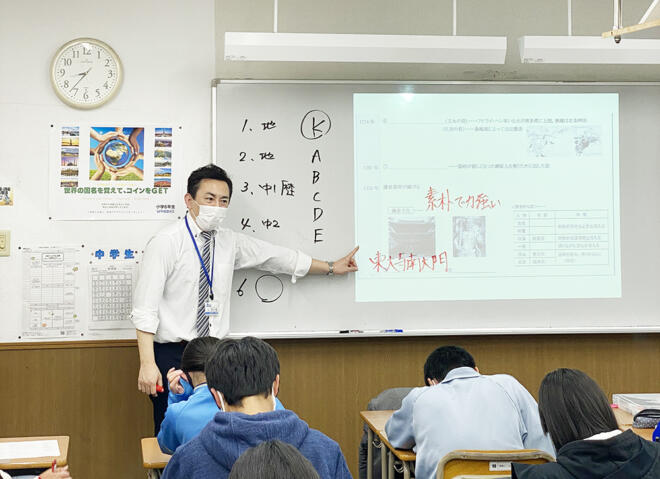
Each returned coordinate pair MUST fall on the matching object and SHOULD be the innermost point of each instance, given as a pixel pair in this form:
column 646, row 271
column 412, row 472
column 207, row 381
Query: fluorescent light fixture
column 653, row 12
column 317, row 47
column 575, row 49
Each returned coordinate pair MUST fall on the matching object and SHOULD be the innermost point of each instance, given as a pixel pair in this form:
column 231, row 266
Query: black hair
column 273, row 460
column 197, row 353
column 208, row 172
column 242, row 367
column 444, row 359
column 573, row 407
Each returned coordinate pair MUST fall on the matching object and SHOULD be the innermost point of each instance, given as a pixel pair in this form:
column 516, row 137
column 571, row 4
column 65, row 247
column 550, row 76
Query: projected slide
column 486, row 196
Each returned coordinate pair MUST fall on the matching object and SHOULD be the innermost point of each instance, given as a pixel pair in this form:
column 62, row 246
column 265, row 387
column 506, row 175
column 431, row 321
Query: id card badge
column 211, row 308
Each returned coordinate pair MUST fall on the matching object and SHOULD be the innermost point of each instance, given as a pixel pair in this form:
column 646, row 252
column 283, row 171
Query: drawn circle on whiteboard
column 315, row 124
column 269, row 288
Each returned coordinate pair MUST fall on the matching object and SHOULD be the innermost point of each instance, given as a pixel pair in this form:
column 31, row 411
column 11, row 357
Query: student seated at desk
column 273, row 460
column 244, row 378
column 190, row 403
column 576, row 413
column 58, row 473
column 462, row 409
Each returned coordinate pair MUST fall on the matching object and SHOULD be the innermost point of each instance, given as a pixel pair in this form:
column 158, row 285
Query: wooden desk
column 375, row 421
column 152, row 457
column 37, row 462
column 625, row 420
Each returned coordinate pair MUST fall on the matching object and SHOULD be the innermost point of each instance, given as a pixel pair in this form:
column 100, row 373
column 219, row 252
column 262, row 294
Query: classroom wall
column 167, row 53
column 327, row 382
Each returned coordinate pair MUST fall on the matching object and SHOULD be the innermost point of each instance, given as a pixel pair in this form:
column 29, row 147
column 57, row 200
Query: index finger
column 352, row 253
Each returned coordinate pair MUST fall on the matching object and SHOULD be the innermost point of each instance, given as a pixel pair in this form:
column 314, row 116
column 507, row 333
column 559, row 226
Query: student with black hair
column 273, row 460
column 184, row 285
column 583, row 428
column 190, row 405
column 462, row 409
column 244, row 378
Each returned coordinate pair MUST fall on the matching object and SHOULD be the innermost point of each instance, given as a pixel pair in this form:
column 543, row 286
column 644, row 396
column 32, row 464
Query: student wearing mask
column 184, row 284
column 273, row 460
column 462, row 409
column 244, row 378
column 583, row 428
column 190, row 404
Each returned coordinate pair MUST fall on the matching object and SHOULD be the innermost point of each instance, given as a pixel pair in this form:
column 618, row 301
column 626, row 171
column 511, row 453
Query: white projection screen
column 487, row 196
column 479, row 208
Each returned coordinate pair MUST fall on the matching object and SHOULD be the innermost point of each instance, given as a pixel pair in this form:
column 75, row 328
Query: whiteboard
column 266, row 138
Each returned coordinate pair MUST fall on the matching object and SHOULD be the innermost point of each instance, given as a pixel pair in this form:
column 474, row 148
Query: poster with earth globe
column 102, row 171
column 116, row 154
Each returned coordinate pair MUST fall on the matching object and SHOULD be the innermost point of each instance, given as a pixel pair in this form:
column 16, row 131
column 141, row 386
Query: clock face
column 86, row 73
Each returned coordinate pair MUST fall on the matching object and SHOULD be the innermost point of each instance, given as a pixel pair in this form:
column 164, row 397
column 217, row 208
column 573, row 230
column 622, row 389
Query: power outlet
column 4, row 242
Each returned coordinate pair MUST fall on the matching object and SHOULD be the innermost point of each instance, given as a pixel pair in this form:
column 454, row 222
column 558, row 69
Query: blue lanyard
column 209, row 280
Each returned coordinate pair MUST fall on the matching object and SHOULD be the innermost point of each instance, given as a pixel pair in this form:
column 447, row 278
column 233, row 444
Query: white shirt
column 466, row 411
column 604, row 435
column 166, row 294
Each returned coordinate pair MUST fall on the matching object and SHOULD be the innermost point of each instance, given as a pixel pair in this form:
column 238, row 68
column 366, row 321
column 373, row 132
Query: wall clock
column 86, row 73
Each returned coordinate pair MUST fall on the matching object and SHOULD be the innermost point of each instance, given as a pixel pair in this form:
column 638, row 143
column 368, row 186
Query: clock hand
column 82, row 76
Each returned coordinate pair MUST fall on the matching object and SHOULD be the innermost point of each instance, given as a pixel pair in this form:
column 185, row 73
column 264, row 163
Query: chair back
column 487, row 464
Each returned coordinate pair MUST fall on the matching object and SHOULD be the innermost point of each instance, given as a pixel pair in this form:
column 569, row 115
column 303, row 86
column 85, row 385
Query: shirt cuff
column 147, row 322
column 303, row 263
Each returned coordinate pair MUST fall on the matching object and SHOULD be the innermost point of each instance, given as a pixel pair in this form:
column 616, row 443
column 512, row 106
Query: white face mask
column 210, row 217
column 272, row 395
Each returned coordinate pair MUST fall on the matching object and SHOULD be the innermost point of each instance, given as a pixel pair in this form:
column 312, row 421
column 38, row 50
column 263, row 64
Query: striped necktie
column 202, row 323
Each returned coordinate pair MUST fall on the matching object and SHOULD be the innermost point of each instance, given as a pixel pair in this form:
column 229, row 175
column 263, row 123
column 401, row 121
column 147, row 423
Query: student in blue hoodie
column 243, row 377
column 190, row 405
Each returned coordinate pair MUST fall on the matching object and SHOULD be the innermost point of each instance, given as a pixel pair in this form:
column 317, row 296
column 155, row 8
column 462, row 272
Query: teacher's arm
column 149, row 375
column 343, row 265
column 154, row 269
column 255, row 253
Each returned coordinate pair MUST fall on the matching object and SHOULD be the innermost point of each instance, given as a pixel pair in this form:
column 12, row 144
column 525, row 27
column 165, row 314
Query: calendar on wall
column 112, row 276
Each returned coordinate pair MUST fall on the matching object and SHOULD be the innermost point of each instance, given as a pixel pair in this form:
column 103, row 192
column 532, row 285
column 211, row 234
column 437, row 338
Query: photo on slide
column 411, row 236
column 469, row 236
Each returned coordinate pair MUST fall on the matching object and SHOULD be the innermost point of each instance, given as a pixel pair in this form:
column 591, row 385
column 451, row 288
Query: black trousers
column 167, row 355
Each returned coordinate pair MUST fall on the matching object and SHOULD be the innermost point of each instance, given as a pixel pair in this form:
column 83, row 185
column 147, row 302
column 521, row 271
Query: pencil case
column 646, row 419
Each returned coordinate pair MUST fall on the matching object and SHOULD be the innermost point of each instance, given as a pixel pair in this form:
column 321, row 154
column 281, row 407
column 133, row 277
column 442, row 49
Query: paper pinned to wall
column 112, row 276
column 51, row 286
column 110, row 172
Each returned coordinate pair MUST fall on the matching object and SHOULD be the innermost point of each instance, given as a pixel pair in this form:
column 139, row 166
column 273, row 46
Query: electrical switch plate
column 4, row 243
